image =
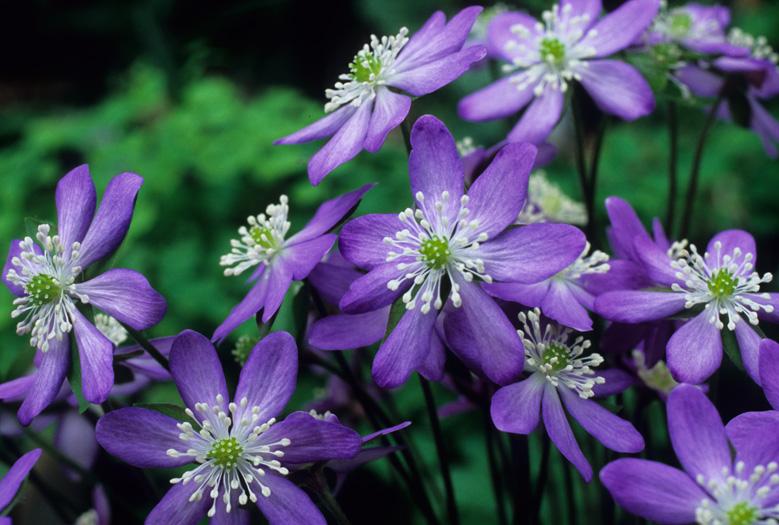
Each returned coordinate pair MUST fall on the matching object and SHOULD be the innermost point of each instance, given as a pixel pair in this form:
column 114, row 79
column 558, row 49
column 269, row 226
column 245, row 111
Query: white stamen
column 739, row 497
column 547, row 203
column 111, row 328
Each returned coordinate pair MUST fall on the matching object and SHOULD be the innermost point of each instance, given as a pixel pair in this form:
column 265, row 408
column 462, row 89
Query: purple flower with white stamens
column 545, row 57
column 435, row 255
column 46, row 277
column 721, row 287
column 238, row 451
column 713, row 487
column 375, row 96
column 278, row 260
column 693, row 26
column 13, row 479
column 560, row 374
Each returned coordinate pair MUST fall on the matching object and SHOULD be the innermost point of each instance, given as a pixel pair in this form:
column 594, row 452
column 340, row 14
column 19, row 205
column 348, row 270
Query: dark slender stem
column 569, row 495
column 673, row 157
column 593, row 182
column 328, row 501
column 543, row 475
column 692, row 185
column 497, row 483
column 405, row 128
column 146, row 345
column 520, row 456
column 440, row 445
column 581, row 163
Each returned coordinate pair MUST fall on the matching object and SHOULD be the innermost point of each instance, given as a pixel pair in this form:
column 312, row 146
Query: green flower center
column 365, row 67
column 723, row 284
column 225, row 452
column 680, row 24
column 435, row 252
column 263, row 236
column 43, row 289
column 668, row 53
column 742, row 513
column 556, row 356
column 243, row 347
column 552, row 51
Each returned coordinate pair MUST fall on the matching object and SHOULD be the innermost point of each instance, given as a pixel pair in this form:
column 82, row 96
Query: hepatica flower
column 721, row 288
column 713, row 487
column 693, row 26
column 560, row 371
column 374, row 97
column 546, row 202
column 13, row 479
column 569, row 44
column 279, row 260
column 434, row 256
column 46, row 276
column 237, row 452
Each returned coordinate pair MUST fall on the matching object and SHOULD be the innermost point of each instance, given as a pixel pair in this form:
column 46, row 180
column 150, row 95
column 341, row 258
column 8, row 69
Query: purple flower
column 713, row 487
column 545, row 57
column 720, row 285
column 769, row 370
column 694, row 26
column 559, row 371
column 280, row 260
column 436, row 254
column 45, row 278
column 13, row 479
column 237, row 451
column 375, row 96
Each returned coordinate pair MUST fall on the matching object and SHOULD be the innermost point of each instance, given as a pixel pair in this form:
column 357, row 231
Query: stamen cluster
column 738, row 500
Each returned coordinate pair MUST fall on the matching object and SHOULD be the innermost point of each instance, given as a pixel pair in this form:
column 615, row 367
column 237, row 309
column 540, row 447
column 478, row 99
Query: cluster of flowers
column 481, row 240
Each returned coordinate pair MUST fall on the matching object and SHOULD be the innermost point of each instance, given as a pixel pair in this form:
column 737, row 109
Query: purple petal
column 362, row 239
column 96, row 354
column 500, row 99
column 766, row 127
column 389, row 111
column 625, row 227
column 434, row 166
column 638, row 306
column 695, row 350
column 730, row 240
column 112, row 219
column 337, row 332
column 197, row 372
column 656, row 262
column 313, row 439
column 613, row 431
column 141, row 437
column 701, row 82
column 145, row 364
column 329, row 214
column 526, row 294
column 48, row 380
column 268, row 378
column 498, row 195
column 127, row 296
column 560, row 432
column 621, row 27
column 589, row 8
column 652, row 490
column 539, row 118
column 302, row 257
column 517, row 408
column 434, row 75
column 562, row 306
column 532, row 253
column 618, row 88
column 661, row 239
column 370, row 291
column 13, row 479
column 754, row 437
column 237, row 516
column 769, row 370
column 331, row 281
column 622, row 275
column 324, row 127
column 13, row 251
column 749, row 345
column 696, row 432
column 499, row 34
column 343, row 147
column 405, row 349
column 76, row 199
column 16, row 389
column 175, row 507
column 617, row 381
column 75, row 438
column 493, row 347
column 385, row 431
column 287, row 504
column 432, row 368
column 420, row 39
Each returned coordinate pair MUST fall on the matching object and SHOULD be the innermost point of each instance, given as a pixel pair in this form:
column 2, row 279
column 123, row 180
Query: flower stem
column 443, row 458
column 581, row 163
column 543, row 475
column 692, row 186
column 59, row 456
column 593, row 182
column 405, row 128
column 520, row 457
column 328, row 501
column 146, row 345
column 497, row 482
column 673, row 149
column 570, row 497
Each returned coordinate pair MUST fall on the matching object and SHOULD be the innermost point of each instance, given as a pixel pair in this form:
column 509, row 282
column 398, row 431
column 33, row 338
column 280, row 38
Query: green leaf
column 396, row 312
column 730, row 344
column 74, row 378
column 169, row 409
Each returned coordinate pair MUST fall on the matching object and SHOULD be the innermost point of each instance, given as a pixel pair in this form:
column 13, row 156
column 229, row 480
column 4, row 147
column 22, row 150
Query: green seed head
column 722, row 284
column 435, row 252
column 742, row 513
column 680, row 24
column 365, row 67
column 225, row 452
column 667, row 53
column 43, row 289
column 243, row 348
column 263, row 236
column 556, row 356
column 552, row 51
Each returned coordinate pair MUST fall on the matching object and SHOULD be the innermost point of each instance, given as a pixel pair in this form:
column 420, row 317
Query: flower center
column 742, row 513
column 552, row 51
column 555, row 357
column 680, row 24
column 722, row 284
column 225, row 452
column 739, row 497
column 365, row 67
column 435, row 252
column 260, row 241
column 43, row 289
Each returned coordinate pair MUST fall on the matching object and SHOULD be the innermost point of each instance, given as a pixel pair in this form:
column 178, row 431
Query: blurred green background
column 190, row 95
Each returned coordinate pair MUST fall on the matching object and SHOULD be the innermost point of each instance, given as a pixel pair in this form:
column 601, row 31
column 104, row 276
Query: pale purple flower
column 693, row 26
column 562, row 372
column 375, row 96
column 45, row 277
column 237, row 452
column 436, row 255
column 714, row 486
column 279, row 261
column 13, row 479
column 570, row 44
